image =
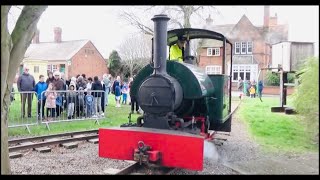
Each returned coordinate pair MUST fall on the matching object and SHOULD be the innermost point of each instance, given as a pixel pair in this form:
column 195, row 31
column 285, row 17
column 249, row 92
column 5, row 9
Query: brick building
column 68, row 57
column 251, row 46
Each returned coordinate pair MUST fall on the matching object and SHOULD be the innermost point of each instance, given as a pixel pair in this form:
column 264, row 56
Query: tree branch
column 22, row 35
column 29, row 15
column 196, row 9
column 176, row 22
column 135, row 21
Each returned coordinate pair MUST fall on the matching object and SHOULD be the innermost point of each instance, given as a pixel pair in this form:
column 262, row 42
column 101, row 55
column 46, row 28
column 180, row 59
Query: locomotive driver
column 176, row 50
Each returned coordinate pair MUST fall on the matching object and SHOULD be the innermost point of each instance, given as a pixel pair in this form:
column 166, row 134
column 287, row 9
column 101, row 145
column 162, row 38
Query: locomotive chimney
column 160, row 43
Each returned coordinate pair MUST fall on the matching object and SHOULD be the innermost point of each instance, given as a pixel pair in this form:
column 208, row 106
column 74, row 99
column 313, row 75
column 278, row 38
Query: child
column 50, row 101
column 117, row 91
column 124, row 93
column 39, row 88
column 252, row 91
column 71, row 99
column 89, row 105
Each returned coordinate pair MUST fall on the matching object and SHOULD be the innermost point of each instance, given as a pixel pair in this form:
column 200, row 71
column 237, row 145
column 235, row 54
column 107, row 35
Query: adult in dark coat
column 26, row 83
column 58, row 86
column 133, row 99
column 50, row 78
column 97, row 86
column 103, row 98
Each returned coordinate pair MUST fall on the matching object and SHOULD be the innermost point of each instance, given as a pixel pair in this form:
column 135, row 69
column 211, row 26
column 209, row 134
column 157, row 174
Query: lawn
column 275, row 131
column 113, row 117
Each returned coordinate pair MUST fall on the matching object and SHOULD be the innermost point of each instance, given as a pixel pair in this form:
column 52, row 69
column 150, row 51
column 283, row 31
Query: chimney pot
column 36, row 37
column 266, row 16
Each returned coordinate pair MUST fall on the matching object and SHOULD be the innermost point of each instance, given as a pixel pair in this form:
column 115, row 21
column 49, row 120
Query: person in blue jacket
column 40, row 87
column 117, row 90
column 260, row 88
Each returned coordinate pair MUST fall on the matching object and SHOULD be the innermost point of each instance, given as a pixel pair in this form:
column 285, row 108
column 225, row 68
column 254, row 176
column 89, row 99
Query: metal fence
column 56, row 106
column 22, row 108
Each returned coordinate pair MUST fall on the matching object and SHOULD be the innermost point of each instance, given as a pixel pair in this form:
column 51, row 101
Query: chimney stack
column 274, row 20
column 266, row 16
column 160, row 43
column 57, row 34
column 209, row 21
column 35, row 39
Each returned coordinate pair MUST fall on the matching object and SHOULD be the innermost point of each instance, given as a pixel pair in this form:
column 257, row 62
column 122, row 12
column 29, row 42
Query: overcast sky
column 102, row 25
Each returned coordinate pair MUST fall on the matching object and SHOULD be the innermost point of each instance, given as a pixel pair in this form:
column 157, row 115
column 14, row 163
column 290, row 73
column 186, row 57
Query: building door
column 62, row 68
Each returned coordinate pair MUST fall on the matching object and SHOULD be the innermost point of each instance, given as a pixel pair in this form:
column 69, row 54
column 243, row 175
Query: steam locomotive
column 182, row 106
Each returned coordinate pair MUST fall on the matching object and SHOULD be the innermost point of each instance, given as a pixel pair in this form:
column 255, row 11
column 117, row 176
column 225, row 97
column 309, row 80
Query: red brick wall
column 209, row 60
column 88, row 61
column 275, row 90
column 270, row 90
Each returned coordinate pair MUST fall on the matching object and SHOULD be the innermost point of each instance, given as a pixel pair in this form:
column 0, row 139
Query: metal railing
column 71, row 106
column 55, row 106
column 21, row 109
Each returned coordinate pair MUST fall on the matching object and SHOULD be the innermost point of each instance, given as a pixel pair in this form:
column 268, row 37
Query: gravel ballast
column 238, row 148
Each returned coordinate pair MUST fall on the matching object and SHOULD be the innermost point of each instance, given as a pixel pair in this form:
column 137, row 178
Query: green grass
column 275, row 131
column 114, row 117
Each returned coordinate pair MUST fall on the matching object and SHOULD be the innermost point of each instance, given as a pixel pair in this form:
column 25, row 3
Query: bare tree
column 135, row 52
column 13, row 48
column 180, row 16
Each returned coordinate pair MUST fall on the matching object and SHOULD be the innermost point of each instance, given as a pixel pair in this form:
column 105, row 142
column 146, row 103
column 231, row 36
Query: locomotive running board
column 178, row 149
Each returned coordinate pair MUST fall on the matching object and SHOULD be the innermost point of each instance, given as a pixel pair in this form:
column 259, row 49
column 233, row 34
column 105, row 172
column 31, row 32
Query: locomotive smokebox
column 160, row 93
column 160, row 43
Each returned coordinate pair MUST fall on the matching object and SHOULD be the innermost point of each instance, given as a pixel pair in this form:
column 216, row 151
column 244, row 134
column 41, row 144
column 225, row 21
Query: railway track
column 55, row 139
column 136, row 169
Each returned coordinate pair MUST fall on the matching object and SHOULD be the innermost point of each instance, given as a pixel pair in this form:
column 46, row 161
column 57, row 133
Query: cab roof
column 191, row 33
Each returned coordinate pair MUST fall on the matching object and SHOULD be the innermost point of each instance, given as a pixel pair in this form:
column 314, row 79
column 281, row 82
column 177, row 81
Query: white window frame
column 249, row 43
column 211, row 50
column 213, row 69
column 237, row 45
column 245, row 68
column 36, row 68
column 52, row 67
column 243, row 45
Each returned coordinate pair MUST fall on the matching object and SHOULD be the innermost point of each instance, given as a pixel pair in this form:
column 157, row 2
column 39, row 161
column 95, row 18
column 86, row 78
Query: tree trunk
column 5, row 166
column 13, row 48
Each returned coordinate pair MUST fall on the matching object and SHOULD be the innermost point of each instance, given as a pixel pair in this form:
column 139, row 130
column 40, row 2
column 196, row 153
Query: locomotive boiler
column 182, row 106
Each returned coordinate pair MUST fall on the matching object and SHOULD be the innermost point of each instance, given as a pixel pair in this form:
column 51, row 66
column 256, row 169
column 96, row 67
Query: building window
column 237, row 48
column 249, row 47
column 213, row 69
column 51, row 68
column 243, row 48
column 48, row 67
column 36, row 69
column 54, row 68
column 213, row 52
column 245, row 72
column 235, row 72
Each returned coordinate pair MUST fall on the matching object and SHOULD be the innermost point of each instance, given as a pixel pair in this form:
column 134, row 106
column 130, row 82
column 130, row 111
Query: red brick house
column 251, row 46
column 68, row 57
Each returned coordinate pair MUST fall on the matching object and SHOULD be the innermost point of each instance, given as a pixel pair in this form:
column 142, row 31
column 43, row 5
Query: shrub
column 306, row 96
column 273, row 79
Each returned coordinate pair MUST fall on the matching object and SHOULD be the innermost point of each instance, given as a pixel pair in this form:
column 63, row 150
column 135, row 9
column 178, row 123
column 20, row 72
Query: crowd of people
column 79, row 96
column 250, row 88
